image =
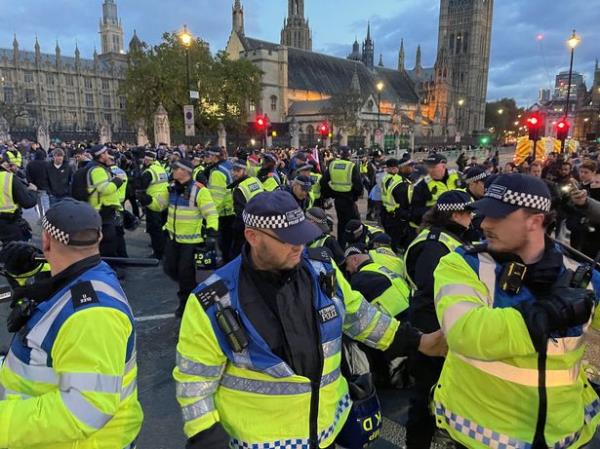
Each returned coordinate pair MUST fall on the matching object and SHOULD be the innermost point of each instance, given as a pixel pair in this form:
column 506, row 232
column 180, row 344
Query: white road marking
column 165, row 316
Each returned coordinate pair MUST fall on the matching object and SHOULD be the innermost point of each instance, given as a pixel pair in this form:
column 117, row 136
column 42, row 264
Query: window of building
column 106, row 101
column 71, row 117
column 105, row 84
column 122, row 103
column 51, row 97
column 69, row 80
column 71, row 98
column 53, row 115
column 452, row 43
column 90, row 117
column 89, row 100
column 252, row 107
column 29, row 95
column 466, row 43
column 273, row 102
column 28, row 77
column 108, row 118
column 9, row 96
column 50, row 79
column 87, row 82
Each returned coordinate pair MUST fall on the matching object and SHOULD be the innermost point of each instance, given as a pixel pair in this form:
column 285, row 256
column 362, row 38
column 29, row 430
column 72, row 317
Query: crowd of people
column 455, row 283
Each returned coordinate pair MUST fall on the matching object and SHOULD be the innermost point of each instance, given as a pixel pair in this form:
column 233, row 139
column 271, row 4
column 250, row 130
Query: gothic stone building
column 68, row 93
column 298, row 84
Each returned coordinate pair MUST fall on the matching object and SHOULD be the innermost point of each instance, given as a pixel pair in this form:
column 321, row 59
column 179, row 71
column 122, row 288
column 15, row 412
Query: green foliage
column 158, row 75
column 504, row 121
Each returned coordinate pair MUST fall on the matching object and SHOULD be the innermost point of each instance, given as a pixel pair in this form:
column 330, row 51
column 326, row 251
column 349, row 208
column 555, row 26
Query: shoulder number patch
column 210, row 294
column 83, row 294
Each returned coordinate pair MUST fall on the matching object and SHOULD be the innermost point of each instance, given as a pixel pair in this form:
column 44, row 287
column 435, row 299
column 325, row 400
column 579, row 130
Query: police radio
column 512, row 277
column 229, row 324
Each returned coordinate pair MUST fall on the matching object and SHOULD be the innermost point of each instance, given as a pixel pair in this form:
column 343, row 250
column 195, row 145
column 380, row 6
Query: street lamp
column 461, row 102
column 573, row 42
column 500, row 111
column 380, row 87
column 186, row 38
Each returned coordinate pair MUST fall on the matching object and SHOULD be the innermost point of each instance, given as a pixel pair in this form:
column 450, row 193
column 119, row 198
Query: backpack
column 79, row 184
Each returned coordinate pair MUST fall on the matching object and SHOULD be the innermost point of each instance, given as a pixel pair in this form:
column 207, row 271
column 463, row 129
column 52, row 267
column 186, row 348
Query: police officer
column 190, row 202
column 268, row 175
column 377, row 283
column 197, row 164
column 516, row 321
column 102, row 187
column 14, row 155
column 475, row 179
column 219, row 177
column 439, row 180
column 250, row 345
column 396, row 192
column 382, row 253
column 310, row 170
column 154, row 197
column 15, row 195
column 357, row 232
column 300, row 188
column 342, row 182
column 69, row 380
column 445, row 227
column 324, row 222
column 116, row 170
column 243, row 188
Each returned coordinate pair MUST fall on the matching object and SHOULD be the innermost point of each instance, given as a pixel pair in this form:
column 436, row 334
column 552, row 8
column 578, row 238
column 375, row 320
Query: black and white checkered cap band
column 282, row 221
column 452, row 207
column 178, row 164
column 520, row 199
column 312, row 218
column 54, row 232
column 351, row 251
column 100, row 151
column 478, row 177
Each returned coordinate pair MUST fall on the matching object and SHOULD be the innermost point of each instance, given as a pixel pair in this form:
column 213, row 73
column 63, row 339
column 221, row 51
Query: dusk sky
column 520, row 64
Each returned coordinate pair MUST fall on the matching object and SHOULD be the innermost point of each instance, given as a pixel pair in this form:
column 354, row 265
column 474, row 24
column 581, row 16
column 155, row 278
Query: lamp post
column 186, row 39
column 380, row 86
column 573, row 42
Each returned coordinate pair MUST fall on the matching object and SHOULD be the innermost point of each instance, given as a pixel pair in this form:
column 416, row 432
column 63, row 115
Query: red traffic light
column 324, row 129
column 534, row 124
column 533, row 121
column 562, row 129
column 261, row 123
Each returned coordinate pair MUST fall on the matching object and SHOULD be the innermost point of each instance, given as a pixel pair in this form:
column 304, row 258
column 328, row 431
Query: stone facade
column 68, row 92
column 296, row 31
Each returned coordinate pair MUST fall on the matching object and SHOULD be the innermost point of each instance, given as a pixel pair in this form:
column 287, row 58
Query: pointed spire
column 381, row 60
column 369, row 30
column 596, row 65
column 238, row 17
column 401, row 57
column 77, row 54
column 15, row 42
column 95, row 53
column 418, row 60
column 37, row 44
column 57, row 48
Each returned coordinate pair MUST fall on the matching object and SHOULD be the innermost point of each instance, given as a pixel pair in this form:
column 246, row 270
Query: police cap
column 69, row 217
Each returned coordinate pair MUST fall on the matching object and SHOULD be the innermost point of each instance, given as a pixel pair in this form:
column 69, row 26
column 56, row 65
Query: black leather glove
column 212, row 438
column 18, row 257
column 565, row 307
column 117, row 181
column 143, row 198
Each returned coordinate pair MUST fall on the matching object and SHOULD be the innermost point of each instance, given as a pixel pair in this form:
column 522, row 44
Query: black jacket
column 36, row 171
column 421, row 262
column 59, row 179
column 421, row 195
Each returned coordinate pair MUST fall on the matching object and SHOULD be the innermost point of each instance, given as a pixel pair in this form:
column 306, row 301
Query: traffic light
column 562, row 129
column 534, row 125
column 324, row 130
column 485, row 140
column 261, row 123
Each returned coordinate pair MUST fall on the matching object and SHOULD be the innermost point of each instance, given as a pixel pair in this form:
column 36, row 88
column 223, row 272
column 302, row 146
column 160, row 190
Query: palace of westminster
column 72, row 92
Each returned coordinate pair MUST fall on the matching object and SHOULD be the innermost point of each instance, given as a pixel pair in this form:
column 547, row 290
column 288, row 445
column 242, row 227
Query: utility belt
column 108, row 214
column 9, row 217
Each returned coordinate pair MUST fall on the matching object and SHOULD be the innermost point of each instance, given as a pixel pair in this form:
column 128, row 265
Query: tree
column 501, row 116
column 12, row 112
column 158, row 75
column 344, row 111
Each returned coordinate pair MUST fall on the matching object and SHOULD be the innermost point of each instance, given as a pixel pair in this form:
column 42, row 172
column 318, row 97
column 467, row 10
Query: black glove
column 565, row 307
column 213, row 438
column 117, row 181
column 143, row 198
column 18, row 257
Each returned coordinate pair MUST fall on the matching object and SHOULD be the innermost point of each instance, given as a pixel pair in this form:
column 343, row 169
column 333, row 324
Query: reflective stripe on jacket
column 487, row 395
column 7, row 202
column 158, row 189
column 340, row 173
column 77, row 359
column 247, row 391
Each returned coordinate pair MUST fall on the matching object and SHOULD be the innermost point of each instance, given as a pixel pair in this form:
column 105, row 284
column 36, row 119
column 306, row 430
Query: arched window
column 466, row 43
column 273, row 102
column 452, row 43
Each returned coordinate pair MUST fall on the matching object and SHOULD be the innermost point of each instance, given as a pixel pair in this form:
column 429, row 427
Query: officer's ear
column 46, row 242
column 251, row 236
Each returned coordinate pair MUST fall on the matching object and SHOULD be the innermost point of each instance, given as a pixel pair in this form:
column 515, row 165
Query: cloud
column 520, row 65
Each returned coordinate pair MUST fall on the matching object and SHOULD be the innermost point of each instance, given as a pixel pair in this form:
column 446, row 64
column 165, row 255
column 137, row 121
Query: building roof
column 331, row 75
column 256, row 44
column 309, row 107
column 424, row 74
column 47, row 59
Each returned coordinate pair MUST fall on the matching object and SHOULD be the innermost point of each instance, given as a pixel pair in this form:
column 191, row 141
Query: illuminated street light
column 461, row 102
column 379, row 87
column 573, row 41
column 186, row 37
column 500, row 111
